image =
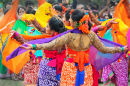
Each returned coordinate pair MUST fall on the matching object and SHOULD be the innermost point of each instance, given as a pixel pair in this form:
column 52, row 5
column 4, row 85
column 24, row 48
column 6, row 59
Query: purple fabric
column 98, row 59
column 47, row 75
column 120, row 72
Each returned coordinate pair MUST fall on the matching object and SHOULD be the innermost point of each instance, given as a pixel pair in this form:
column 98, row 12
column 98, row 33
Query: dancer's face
column 72, row 23
column 21, row 12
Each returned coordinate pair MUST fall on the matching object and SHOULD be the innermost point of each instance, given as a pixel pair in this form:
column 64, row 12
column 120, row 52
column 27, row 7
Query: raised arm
column 101, row 47
column 65, row 39
column 127, row 7
column 38, row 26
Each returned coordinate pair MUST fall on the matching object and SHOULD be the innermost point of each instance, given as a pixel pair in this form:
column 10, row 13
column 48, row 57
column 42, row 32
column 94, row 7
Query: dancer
column 77, row 44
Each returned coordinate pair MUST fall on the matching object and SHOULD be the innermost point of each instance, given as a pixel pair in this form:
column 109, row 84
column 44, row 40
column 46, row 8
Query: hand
column 126, row 48
column 100, row 27
column 112, row 22
column 12, row 32
column 29, row 47
column 108, row 2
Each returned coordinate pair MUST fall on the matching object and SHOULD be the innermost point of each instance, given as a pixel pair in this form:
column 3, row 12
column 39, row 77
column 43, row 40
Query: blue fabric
column 80, row 76
column 108, row 35
column 58, row 76
column 38, row 53
column 32, row 31
column 102, row 19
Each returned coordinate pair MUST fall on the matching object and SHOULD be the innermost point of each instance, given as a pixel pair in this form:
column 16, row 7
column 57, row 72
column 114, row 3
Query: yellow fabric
column 41, row 15
column 69, row 27
column 4, row 36
column 121, row 29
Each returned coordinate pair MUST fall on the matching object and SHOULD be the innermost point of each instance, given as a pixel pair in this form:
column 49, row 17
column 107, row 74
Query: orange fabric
column 121, row 13
column 17, row 63
column 79, row 57
column 41, row 2
column 9, row 19
column 35, row 37
column 68, row 75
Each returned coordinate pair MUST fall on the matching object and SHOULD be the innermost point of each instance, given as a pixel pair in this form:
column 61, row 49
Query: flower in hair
column 71, row 11
column 83, row 24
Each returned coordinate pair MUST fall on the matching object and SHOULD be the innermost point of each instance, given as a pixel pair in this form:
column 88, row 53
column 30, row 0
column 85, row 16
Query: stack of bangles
column 33, row 46
column 122, row 49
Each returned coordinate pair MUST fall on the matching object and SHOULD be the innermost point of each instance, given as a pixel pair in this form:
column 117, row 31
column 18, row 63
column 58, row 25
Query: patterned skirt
column 68, row 75
column 116, row 73
column 30, row 72
column 47, row 75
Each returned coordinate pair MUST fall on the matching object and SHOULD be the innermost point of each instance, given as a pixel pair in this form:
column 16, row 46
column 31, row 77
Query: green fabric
column 20, row 27
column 3, row 69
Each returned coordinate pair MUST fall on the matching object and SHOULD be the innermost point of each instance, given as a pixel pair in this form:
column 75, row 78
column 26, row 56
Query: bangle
column 122, row 49
column 34, row 46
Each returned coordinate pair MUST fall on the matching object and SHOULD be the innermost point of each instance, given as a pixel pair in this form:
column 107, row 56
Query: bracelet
column 122, row 49
column 34, row 46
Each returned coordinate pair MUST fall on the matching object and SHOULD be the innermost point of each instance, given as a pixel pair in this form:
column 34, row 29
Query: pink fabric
column 58, row 59
column 52, row 63
column 95, row 29
column 16, row 34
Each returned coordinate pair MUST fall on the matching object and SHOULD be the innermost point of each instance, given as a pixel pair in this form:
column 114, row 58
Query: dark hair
column 51, row 1
column 6, row 11
column 67, row 14
column 95, row 6
column 57, row 25
column 9, row 3
column 55, row 3
column 22, row 8
column 77, row 15
column 30, row 10
column 58, row 8
column 29, row 2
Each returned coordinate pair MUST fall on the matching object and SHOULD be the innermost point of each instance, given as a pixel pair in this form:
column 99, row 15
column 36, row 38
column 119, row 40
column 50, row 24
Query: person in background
column 54, row 4
column 59, row 10
column 79, row 6
column 8, row 5
column 29, row 6
column 1, row 10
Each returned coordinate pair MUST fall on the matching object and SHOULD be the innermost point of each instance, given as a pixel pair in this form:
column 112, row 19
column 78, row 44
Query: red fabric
column 58, row 59
column 95, row 77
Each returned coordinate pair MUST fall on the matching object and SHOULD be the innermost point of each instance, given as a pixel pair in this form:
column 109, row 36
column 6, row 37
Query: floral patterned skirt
column 47, row 75
column 68, row 75
column 30, row 72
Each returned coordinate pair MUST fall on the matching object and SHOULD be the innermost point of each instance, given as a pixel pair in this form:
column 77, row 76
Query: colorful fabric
column 30, row 72
column 116, row 72
column 97, row 61
column 9, row 19
column 68, row 75
column 47, row 75
column 20, row 27
column 121, row 13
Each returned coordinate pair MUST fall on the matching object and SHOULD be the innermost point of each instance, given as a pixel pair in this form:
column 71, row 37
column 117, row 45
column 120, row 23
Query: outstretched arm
column 53, row 45
column 102, row 48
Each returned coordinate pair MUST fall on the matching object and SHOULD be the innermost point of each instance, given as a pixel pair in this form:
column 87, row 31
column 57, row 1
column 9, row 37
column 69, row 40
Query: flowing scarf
column 98, row 59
